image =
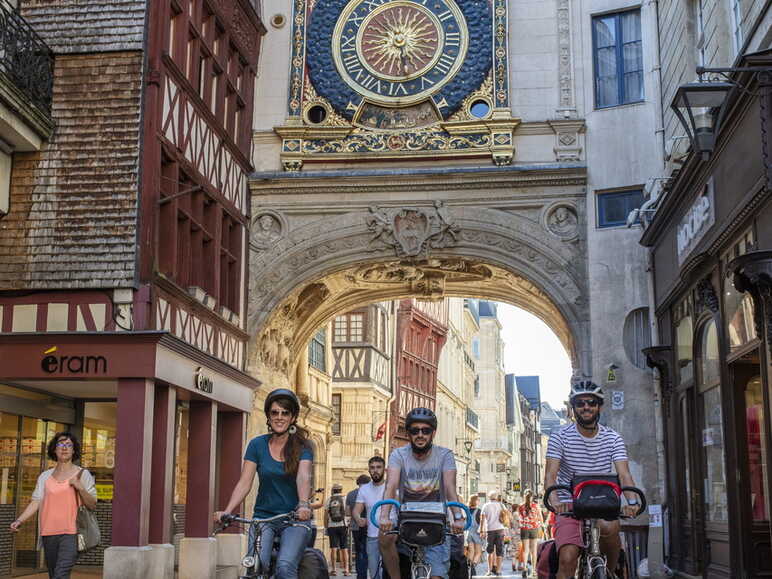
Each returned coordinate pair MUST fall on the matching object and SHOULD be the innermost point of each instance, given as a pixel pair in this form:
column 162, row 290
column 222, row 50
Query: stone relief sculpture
column 413, row 231
column 562, row 221
column 267, row 231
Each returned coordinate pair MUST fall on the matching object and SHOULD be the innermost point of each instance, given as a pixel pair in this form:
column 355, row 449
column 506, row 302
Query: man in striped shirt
column 585, row 447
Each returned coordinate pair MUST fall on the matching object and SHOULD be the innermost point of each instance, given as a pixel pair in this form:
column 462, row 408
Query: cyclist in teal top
column 283, row 461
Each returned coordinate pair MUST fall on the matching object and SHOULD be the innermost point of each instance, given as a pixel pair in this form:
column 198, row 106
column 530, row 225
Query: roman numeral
column 453, row 39
column 444, row 64
column 348, row 44
column 397, row 88
column 426, row 82
column 373, row 4
column 371, row 83
column 445, row 15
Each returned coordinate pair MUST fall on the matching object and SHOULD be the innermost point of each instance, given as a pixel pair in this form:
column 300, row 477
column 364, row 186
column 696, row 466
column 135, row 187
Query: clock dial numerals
column 399, row 51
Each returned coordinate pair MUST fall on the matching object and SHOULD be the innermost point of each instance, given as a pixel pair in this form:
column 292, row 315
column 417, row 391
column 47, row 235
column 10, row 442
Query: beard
column 588, row 423
column 377, row 477
column 421, row 450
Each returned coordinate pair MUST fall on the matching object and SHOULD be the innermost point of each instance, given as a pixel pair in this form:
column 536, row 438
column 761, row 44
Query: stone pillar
column 231, row 544
column 130, row 555
column 301, row 376
column 198, row 550
column 162, row 481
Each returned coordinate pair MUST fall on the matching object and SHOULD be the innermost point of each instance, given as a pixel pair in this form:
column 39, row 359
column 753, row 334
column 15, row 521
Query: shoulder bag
column 86, row 525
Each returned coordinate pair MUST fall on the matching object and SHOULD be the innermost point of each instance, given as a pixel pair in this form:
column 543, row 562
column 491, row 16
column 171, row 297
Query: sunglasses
column 277, row 413
column 416, row 430
column 592, row 403
column 64, row 445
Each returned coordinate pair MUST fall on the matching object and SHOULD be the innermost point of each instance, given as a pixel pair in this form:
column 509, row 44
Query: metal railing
column 25, row 59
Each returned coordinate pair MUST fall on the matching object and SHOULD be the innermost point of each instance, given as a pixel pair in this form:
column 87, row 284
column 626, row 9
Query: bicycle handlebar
column 397, row 504
column 550, row 490
column 228, row 519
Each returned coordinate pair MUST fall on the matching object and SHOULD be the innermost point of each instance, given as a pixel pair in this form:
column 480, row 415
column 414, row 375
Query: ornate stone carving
column 565, row 73
column 562, row 220
column 568, row 139
column 706, row 297
column 267, row 229
column 413, row 231
column 753, row 274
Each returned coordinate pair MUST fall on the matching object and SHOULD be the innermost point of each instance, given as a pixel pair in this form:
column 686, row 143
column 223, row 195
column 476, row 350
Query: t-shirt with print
column 368, row 495
column 278, row 491
column 492, row 513
column 330, row 522
column 421, row 480
column 581, row 455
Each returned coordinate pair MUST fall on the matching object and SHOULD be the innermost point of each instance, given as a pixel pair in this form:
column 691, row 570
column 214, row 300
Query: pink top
column 59, row 509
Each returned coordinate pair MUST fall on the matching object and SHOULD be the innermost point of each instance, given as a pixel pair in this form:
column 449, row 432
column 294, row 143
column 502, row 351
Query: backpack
column 504, row 516
column 547, row 562
column 313, row 565
column 336, row 509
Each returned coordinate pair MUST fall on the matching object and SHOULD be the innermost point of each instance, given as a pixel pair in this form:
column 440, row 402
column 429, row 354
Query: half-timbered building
column 123, row 273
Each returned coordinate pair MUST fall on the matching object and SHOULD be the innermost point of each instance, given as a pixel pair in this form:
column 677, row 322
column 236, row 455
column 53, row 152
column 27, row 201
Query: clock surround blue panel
column 462, row 79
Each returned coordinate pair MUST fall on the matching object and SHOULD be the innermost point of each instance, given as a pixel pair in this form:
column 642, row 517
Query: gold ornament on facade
column 484, row 93
column 311, row 98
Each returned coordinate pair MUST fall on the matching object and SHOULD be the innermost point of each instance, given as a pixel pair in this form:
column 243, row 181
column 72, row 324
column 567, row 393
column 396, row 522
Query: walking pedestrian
column 335, row 523
column 368, row 495
column 492, row 529
column 57, row 494
column 530, row 518
column 474, row 540
column 358, row 534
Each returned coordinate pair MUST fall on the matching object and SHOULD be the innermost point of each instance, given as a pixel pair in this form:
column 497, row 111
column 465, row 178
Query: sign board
column 104, row 491
column 516, row 486
column 693, row 226
column 612, row 374
column 617, row 400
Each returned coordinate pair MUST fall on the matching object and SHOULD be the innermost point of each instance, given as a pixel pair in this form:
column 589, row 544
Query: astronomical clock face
column 397, row 64
column 399, row 52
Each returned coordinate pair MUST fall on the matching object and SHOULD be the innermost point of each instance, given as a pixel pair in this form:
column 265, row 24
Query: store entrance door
column 23, row 457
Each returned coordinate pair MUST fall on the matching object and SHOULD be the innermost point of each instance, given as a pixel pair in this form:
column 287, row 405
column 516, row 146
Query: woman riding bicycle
column 283, row 461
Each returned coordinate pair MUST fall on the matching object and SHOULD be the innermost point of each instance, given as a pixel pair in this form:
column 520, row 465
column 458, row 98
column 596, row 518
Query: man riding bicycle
column 420, row 472
column 283, row 461
column 586, row 447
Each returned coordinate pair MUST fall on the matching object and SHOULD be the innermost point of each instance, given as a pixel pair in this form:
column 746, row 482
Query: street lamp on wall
column 699, row 105
column 468, row 444
column 694, row 105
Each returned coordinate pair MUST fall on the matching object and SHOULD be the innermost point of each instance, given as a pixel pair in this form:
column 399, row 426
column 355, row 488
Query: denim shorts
column 438, row 557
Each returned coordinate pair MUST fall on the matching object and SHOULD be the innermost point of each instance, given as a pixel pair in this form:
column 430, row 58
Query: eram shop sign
column 53, row 362
column 699, row 218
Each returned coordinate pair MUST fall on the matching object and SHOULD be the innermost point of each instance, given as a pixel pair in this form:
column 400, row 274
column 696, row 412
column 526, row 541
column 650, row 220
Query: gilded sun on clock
column 400, row 41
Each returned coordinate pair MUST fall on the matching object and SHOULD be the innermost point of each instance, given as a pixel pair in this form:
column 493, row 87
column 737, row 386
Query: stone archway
column 329, row 244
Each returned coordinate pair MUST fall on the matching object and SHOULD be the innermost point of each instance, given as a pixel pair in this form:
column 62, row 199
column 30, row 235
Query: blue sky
column 532, row 349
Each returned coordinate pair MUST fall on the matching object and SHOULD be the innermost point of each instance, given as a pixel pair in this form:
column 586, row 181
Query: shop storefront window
column 757, row 452
column 685, row 341
column 713, row 448
column 182, row 430
column 739, row 315
column 98, row 446
column 687, row 461
column 709, row 363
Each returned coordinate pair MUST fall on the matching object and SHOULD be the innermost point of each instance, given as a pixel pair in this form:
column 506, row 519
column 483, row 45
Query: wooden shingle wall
column 79, row 26
column 73, row 219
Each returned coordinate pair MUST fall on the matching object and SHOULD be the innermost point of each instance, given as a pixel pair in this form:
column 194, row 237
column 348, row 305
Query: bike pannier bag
column 313, row 565
column 547, row 561
column 336, row 508
column 422, row 524
column 596, row 497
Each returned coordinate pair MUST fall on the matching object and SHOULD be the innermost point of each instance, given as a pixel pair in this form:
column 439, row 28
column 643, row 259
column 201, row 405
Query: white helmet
column 585, row 387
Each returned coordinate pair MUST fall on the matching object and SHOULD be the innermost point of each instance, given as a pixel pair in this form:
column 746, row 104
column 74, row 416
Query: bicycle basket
column 422, row 524
column 596, row 496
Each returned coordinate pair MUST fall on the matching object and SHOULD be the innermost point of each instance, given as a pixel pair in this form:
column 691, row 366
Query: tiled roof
column 73, row 218
column 72, row 26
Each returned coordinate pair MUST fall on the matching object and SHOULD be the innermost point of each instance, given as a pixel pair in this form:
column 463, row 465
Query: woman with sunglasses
column 282, row 459
column 57, row 494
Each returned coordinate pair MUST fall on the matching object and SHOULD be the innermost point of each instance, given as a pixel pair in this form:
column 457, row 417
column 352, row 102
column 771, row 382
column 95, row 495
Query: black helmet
column 585, row 387
column 282, row 393
column 421, row 415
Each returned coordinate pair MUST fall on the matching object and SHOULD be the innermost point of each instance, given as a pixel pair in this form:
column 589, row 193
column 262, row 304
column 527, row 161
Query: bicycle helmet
column 585, row 387
column 282, row 393
column 421, row 415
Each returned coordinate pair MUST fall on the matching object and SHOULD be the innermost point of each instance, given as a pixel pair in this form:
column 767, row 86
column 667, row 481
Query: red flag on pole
column 381, row 431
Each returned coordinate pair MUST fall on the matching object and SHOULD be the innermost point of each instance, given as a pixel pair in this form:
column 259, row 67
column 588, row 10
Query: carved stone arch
column 339, row 262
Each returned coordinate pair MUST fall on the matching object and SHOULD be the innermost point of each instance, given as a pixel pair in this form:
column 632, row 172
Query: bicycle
column 592, row 562
column 312, row 565
column 420, row 525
